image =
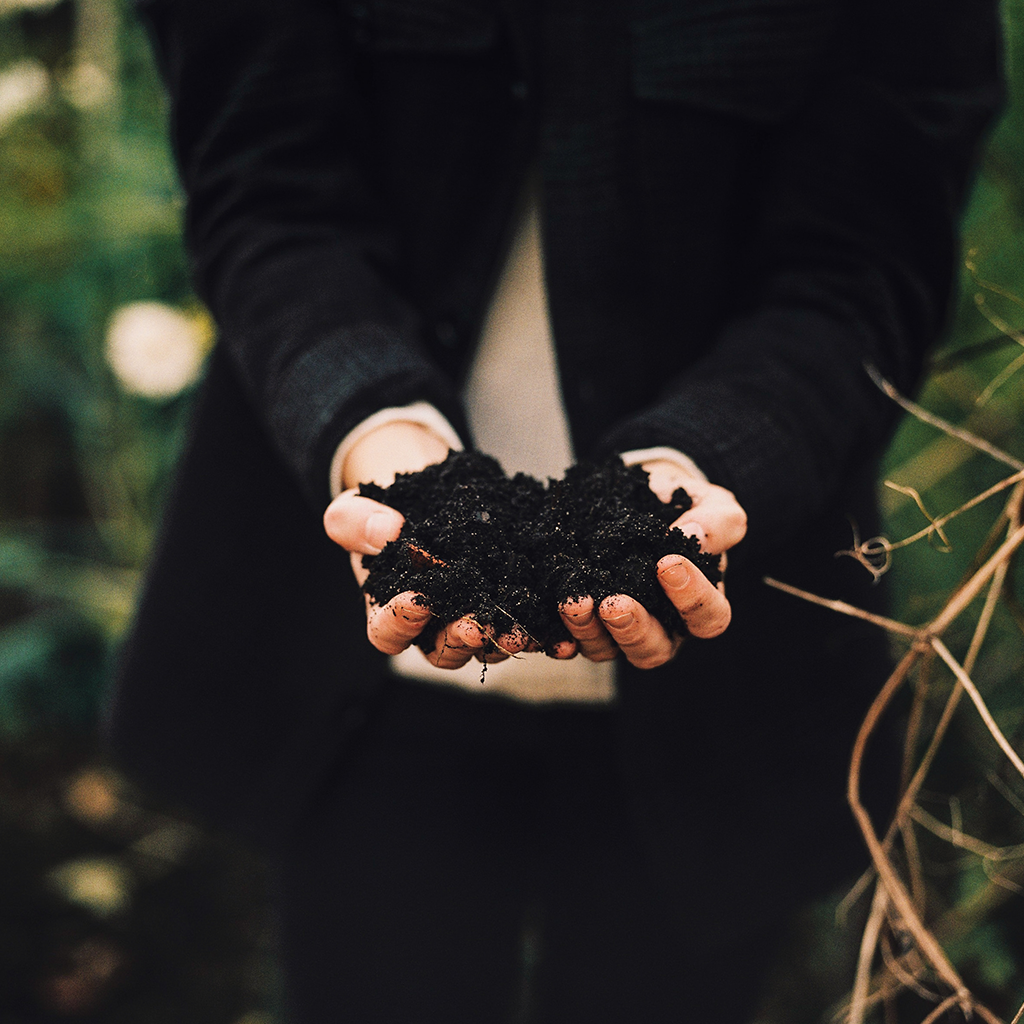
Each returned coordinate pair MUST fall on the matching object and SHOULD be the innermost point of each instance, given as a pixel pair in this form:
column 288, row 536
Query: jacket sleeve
column 853, row 262
column 292, row 249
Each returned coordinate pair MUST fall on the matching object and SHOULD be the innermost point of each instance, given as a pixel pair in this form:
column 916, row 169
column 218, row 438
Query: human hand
column 363, row 526
column 620, row 622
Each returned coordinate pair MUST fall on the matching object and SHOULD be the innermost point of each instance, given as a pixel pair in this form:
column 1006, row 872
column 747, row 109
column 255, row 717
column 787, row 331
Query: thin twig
column 909, row 796
column 849, row 901
column 845, row 609
column 898, row 895
column 906, row 977
column 967, row 593
column 1002, row 325
column 990, row 286
column 984, row 1013
column 1000, row 379
column 957, row 837
column 979, row 703
column 868, row 944
column 944, row 425
column 946, row 1004
column 1001, row 880
column 914, row 722
column 1004, row 790
column 936, row 525
column 914, row 868
column 957, row 603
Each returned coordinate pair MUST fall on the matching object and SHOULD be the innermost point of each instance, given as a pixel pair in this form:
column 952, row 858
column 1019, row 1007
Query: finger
column 701, row 605
column 361, row 524
column 563, row 650
column 358, row 569
column 505, row 646
column 582, row 621
column 393, row 626
column 457, row 643
column 640, row 637
column 716, row 518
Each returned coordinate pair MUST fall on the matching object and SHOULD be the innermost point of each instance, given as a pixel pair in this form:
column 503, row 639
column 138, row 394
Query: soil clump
column 509, row 551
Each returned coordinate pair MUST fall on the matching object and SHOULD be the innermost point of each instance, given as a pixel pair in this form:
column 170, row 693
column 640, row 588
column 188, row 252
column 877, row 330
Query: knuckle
column 590, row 633
column 738, row 521
column 632, row 635
column 712, row 626
column 688, row 601
column 649, row 659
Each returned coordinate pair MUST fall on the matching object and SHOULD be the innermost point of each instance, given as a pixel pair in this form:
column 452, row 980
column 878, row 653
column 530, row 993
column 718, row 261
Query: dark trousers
column 476, row 861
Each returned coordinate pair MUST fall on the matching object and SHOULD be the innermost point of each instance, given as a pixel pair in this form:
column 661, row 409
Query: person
column 689, row 223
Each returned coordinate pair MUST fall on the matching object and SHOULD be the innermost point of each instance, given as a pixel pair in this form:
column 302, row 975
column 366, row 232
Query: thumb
column 361, row 524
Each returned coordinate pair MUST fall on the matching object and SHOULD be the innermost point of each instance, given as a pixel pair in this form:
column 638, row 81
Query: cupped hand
column 621, row 623
column 363, row 526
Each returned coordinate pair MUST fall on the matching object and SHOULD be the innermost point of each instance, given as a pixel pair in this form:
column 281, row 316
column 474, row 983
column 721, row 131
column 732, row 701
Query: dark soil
column 510, row 550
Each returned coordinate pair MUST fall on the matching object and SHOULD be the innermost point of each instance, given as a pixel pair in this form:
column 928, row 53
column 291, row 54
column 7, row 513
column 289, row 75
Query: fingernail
column 578, row 618
column 676, row 575
column 620, row 621
column 380, row 528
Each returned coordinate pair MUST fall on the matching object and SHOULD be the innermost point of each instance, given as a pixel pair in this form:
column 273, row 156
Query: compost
column 510, row 550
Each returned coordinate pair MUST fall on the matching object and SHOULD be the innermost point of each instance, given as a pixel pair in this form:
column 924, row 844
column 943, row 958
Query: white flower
column 23, row 86
column 154, row 350
column 100, row 884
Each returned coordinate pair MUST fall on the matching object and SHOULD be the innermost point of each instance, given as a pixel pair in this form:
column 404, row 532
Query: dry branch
column 939, row 423
column 893, row 907
column 986, row 716
column 887, row 874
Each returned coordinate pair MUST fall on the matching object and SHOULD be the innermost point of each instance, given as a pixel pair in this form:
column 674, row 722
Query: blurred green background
column 113, row 910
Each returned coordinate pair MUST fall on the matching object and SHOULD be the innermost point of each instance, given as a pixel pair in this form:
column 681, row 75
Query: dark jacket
column 743, row 202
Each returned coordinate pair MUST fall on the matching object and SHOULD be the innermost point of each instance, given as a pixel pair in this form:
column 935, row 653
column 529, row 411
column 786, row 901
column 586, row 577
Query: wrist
column 665, row 476
column 395, row 447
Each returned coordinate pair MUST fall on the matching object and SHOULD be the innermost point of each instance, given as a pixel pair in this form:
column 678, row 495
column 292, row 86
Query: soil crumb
column 509, row 550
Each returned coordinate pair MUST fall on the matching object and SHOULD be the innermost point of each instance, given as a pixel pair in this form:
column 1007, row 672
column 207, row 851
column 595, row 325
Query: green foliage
column 90, row 213
column 974, row 382
column 89, row 223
